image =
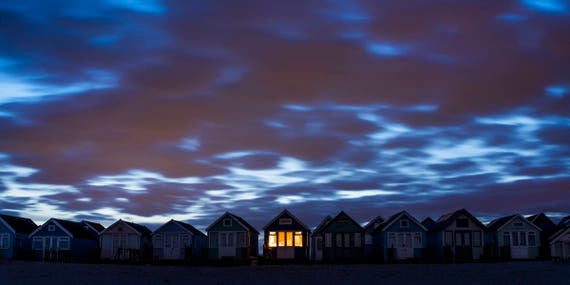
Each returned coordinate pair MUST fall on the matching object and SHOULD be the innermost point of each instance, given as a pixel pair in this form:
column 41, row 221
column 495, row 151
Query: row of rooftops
column 87, row 228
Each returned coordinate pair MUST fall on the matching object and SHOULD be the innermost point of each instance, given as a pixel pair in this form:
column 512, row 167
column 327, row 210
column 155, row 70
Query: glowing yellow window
column 280, row 238
column 298, row 239
column 289, row 238
column 272, row 239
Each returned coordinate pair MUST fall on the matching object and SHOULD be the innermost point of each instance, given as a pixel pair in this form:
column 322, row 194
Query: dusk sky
column 149, row 110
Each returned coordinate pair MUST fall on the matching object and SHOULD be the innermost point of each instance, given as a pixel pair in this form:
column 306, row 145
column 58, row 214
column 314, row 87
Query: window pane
column 280, row 238
column 477, row 238
column 298, row 239
column 231, row 239
column 458, row 240
column 506, row 239
column 357, row 240
column 467, row 239
column 289, row 236
column 223, row 240
column 338, row 240
column 408, row 241
column 272, row 239
column 448, row 238
column 4, row 241
column 328, row 240
column 38, row 243
column 63, row 243
column 523, row 238
column 515, row 239
column 531, row 239
column 346, row 240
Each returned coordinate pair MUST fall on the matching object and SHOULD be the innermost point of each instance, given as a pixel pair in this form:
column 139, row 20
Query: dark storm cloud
column 186, row 109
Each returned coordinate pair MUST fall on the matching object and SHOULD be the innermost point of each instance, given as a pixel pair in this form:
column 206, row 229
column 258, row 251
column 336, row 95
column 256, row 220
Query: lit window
column 289, row 239
column 4, row 241
column 298, row 239
column 272, row 239
column 280, row 238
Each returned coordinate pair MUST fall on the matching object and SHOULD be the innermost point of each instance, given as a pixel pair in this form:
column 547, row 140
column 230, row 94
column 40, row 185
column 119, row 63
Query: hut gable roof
column 18, row 224
column 285, row 212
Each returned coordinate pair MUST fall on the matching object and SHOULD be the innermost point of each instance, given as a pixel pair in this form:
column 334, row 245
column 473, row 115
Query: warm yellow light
column 272, row 239
column 289, row 238
column 281, row 238
column 298, row 239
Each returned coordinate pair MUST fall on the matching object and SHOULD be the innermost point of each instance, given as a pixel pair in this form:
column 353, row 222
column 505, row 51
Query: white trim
column 409, row 217
column 557, row 235
column 522, row 218
column 46, row 223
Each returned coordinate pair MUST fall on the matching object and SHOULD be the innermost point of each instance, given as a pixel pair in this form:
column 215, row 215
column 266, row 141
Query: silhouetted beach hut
column 342, row 239
column 401, row 237
column 176, row 240
column 126, row 241
column 14, row 237
column 514, row 237
column 230, row 236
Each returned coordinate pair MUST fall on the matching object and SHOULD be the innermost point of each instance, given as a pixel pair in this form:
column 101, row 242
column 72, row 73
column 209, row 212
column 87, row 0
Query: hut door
column 171, row 246
column 405, row 248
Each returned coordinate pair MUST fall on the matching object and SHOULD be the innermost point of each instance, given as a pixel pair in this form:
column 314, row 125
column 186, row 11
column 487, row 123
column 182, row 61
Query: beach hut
column 230, row 236
column 317, row 240
column 176, row 240
column 457, row 236
column 126, row 241
column 14, row 237
column 514, row 237
column 341, row 238
column 560, row 241
column 286, row 237
column 401, row 237
column 372, row 252
column 548, row 228
column 64, row 241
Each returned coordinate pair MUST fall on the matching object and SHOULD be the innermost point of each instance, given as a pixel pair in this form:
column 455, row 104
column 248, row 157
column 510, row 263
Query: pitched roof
column 447, row 219
column 542, row 221
column 373, row 224
column 565, row 222
column 77, row 229
column 19, row 225
column 144, row 231
column 560, row 232
column 96, row 226
column 238, row 218
column 285, row 211
column 318, row 230
column 428, row 222
column 497, row 223
column 395, row 217
column 342, row 213
column 189, row 227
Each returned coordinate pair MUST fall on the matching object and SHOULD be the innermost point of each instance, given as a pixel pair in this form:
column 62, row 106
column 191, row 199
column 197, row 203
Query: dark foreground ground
column 543, row 273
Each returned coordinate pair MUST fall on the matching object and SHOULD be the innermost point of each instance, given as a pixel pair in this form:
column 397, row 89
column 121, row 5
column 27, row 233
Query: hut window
column 506, row 239
column 240, row 237
column 357, row 240
column 186, row 241
column 346, row 240
column 223, row 240
column 213, row 240
column 298, row 239
column 462, row 223
column 404, row 224
column 272, row 239
column 63, row 243
column 51, row 228
column 285, row 221
column 4, row 241
column 477, row 238
column 280, row 238
column 417, row 240
column 38, row 243
column 231, row 237
column 328, row 240
column 531, row 239
column 448, row 238
column 289, row 236
column 338, row 240
column 391, row 239
column 227, row 222
column 368, row 239
column 518, row 225
column 515, row 238
column 158, row 241
column 523, row 238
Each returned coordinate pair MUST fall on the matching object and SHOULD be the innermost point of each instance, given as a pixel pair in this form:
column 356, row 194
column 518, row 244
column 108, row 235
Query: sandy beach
column 531, row 272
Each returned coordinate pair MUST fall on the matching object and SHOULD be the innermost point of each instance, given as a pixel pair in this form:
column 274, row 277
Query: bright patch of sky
column 557, row 91
column 356, row 194
column 136, row 180
column 141, row 6
column 547, row 6
column 386, row 49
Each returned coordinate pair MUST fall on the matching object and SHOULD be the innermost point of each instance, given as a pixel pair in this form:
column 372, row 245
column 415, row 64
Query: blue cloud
column 547, row 6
